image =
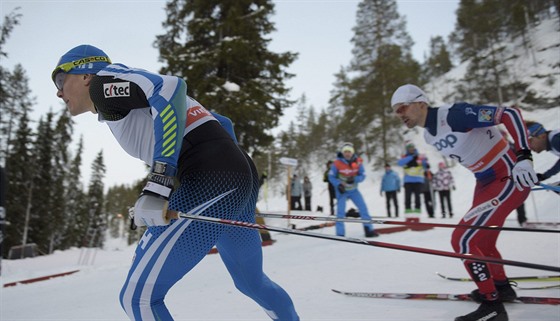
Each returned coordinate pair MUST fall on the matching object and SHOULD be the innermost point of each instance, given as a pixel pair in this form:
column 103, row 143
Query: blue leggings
column 166, row 253
column 358, row 200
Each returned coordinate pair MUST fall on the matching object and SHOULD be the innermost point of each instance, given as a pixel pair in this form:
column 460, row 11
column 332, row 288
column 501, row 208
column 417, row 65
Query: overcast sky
column 320, row 31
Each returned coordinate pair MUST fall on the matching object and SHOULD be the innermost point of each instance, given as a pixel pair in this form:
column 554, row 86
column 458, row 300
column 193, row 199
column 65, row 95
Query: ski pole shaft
column 550, row 187
column 371, row 243
column 531, row 278
column 389, row 222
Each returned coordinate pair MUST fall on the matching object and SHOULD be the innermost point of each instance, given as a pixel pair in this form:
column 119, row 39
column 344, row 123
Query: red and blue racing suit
column 469, row 134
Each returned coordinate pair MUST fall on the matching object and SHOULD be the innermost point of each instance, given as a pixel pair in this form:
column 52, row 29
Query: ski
column 442, row 297
column 515, row 278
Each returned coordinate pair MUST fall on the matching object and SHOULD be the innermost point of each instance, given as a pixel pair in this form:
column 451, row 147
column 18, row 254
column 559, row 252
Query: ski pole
column 528, row 278
column 370, row 243
column 550, row 187
column 388, row 222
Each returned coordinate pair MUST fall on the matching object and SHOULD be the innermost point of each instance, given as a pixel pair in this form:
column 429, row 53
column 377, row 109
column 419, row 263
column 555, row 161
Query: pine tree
column 41, row 223
column 14, row 104
column 439, row 59
column 76, row 212
column 20, row 181
column 382, row 61
column 62, row 136
column 8, row 110
column 97, row 220
column 220, row 48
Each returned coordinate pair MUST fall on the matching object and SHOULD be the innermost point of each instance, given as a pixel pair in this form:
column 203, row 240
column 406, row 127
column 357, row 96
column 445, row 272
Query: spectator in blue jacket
column 391, row 185
column 345, row 174
column 414, row 166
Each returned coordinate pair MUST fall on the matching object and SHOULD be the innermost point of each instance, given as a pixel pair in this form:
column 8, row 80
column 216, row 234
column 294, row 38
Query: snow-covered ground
column 308, row 268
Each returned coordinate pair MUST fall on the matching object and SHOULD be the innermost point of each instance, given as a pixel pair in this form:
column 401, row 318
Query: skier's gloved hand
column 350, row 180
column 151, row 207
column 341, row 188
column 413, row 162
column 150, row 210
column 523, row 174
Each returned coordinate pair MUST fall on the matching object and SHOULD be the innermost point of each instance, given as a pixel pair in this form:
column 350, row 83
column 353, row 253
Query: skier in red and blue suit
column 345, row 174
column 504, row 177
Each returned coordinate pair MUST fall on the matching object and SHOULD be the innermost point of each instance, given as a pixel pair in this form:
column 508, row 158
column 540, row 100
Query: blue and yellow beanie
column 83, row 59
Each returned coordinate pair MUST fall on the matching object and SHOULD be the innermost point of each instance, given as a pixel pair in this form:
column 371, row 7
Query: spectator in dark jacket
column 332, row 193
column 427, row 192
column 307, row 187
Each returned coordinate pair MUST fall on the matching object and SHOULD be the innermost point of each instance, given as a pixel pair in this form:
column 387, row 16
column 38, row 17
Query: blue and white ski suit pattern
column 217, row 179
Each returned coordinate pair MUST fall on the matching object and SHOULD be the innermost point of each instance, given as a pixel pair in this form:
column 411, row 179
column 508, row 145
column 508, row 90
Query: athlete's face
column 538, row 143
column 74, row 91
column 412, row 114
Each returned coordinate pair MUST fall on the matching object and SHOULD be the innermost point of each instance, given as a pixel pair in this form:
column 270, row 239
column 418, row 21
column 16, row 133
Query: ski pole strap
column 393, row 246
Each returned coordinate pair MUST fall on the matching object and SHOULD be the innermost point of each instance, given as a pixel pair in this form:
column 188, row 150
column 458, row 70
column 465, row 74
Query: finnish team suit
column 153, row 119
column 455, row 131
column 348, row 173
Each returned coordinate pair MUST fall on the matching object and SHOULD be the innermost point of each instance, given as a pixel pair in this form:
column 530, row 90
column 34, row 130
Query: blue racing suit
column 153, row 119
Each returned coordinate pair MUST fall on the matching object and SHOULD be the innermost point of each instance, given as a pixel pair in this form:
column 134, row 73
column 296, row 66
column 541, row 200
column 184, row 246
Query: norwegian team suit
column 154, row 120
column 341, row 172
column 468, row 133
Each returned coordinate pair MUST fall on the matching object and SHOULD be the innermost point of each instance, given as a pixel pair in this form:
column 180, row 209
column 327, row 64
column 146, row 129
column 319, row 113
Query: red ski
column 442, row 296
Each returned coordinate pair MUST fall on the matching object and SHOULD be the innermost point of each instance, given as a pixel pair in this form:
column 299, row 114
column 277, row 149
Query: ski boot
column 487, row 311
column 370, row 233
column 505, row 292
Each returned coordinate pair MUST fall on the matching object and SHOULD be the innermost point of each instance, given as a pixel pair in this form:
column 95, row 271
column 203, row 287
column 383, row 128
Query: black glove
column 350, row 180
column 413, row 162
column 341, row 188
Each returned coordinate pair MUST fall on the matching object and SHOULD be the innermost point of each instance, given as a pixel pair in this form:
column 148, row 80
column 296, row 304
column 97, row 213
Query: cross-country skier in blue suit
column 153, row 119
